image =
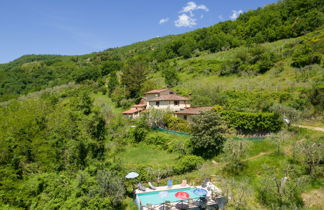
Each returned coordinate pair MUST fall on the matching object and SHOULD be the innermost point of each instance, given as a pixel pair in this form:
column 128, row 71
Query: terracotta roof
column 156, row 91
column 140, row 105
column 194, row 110
column 131, row 111
column 170, row 97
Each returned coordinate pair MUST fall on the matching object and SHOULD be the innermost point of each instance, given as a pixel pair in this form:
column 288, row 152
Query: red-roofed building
column 187, row 114
column 159, row 91
column 135, row 111
column 165, row 99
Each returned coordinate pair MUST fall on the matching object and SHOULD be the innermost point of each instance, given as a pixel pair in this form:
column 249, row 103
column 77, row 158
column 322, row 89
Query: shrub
column 317, row 97
column 288, row 112
column 188, row 163
column 310, row 155
column 256, row 59
column 179, row 146
column 234, row 152
column 280, row 192
column 140, row 131
column 304, row 55
column 158, row 140
column 249, row 123
column 155, row 117
column 174, row 123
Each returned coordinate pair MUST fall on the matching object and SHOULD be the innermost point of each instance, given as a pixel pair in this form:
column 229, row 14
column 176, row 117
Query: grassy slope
column 193, row 70
column 260, row 156
column 204, row 70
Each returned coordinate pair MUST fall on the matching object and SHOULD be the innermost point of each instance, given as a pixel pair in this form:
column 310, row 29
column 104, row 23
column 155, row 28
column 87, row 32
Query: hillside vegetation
column 286, row 19
column 65, row 144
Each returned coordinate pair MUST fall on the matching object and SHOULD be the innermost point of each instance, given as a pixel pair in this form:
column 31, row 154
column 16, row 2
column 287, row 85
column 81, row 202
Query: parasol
column 200, row 192
column 131, row 175
column 182, row 195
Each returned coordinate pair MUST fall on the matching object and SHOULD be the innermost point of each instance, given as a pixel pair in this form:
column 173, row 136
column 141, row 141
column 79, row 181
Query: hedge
column 246, row 122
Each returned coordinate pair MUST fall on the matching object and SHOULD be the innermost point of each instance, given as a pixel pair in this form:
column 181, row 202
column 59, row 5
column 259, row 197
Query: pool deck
column 193, row 205
column 174, row 206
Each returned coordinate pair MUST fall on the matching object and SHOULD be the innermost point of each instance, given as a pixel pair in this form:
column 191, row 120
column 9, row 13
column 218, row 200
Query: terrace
column 165, row 197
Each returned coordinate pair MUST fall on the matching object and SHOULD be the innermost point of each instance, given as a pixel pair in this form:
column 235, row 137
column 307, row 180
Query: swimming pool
column 155, row 198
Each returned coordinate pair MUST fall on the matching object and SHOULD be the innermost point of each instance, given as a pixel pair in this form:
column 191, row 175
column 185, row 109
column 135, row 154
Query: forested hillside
column 65, row 144
column 286, row 19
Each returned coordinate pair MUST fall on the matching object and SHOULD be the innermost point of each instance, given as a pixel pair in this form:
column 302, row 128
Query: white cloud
column 164, row 20
column 191, row 6
column 185, row 21
column 236, row 14
column 186, row 18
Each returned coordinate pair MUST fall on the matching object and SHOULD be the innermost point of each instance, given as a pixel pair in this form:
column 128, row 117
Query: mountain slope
column 289, row 18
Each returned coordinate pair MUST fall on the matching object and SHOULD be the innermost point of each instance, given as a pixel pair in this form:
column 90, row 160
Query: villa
column 166, row 99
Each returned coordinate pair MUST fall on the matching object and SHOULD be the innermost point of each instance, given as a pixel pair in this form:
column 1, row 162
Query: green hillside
column 65, row 144
column 286, row 19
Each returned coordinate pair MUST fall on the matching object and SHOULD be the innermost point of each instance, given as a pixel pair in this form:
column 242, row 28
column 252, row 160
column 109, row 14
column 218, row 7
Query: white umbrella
column 131, row 175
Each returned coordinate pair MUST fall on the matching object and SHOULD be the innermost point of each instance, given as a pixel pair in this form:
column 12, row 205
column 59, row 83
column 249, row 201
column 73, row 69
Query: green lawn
column 142, row 154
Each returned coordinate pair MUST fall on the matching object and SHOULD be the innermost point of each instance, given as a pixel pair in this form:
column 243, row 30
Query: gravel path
column 310, row 127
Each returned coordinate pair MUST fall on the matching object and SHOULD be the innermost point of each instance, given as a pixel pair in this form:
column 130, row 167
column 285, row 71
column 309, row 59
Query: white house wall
column 169, row 105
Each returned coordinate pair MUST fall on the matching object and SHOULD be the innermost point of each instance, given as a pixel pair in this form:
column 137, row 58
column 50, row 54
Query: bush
column 304, row 55
column 188, row 163
column 158, row 140
column 280, row 192
column 234, row 152
column 155, row 117
column 140, row 131
column 179, row 146
column 317, row 97
column 288, row 112
column 257, row 59
column 250, row 123
column 174, row 123
column 166, row 143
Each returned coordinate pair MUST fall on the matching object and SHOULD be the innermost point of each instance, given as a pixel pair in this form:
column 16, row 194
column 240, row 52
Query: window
column 176, row 103
column 185, row 117
column 157, row 103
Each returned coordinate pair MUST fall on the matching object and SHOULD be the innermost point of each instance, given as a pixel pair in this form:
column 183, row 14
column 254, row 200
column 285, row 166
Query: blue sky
column 72, row 27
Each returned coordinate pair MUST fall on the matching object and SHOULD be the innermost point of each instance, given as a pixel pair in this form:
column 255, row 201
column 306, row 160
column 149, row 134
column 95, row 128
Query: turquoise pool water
column 154, row 197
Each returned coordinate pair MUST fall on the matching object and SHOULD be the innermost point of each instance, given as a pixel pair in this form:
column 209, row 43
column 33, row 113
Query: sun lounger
column 169, row 183
column 141, row 187
column 184, row 183
column 151, row 186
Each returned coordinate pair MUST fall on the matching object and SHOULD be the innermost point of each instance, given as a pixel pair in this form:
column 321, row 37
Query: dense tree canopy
column 208, row 131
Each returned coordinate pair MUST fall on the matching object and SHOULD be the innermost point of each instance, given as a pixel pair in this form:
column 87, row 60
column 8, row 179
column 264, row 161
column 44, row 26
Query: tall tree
column 208, row 131
column 170, row 75
column 112, row 83
column 133, row 77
